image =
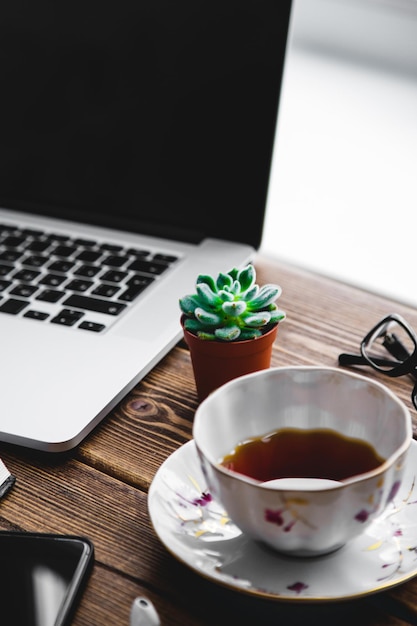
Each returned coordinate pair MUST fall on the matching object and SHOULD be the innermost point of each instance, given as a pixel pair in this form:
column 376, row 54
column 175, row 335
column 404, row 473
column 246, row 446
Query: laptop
column 135, row 151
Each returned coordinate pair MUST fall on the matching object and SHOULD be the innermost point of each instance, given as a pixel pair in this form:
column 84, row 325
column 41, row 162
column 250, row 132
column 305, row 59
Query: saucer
column 197, row 531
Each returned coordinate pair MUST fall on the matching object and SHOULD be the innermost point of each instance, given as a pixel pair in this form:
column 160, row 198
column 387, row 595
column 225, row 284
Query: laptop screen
column 153, row 116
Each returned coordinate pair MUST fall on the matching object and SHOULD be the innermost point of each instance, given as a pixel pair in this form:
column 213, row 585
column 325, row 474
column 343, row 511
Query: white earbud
column 143, row 613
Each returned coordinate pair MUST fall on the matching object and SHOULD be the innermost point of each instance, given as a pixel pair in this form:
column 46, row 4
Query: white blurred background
column 343, row 192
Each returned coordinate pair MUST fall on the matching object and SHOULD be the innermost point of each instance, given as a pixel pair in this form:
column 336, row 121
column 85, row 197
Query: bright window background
column 343, row 192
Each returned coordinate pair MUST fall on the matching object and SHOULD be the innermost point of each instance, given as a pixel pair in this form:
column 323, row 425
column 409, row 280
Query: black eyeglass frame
column 405, row 363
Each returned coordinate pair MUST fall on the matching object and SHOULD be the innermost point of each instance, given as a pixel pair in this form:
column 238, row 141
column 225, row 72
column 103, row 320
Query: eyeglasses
column 394, row 336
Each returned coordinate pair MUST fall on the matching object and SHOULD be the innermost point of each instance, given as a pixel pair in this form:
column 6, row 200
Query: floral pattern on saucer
column 192, row 508
column 196, row 529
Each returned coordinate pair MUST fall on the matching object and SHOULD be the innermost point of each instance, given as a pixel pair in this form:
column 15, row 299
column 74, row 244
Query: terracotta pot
column 216, row 362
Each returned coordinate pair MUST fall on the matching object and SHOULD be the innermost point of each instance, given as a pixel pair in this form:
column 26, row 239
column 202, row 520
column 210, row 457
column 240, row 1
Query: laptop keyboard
column 80, row 283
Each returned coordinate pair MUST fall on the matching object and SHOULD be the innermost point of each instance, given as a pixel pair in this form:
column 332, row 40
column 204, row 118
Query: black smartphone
column 42, row 577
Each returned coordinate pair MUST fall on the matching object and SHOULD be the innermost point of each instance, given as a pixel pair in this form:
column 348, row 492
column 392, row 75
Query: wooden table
column 100, row 489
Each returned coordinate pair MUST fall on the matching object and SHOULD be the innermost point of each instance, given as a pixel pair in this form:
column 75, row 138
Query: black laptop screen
column 142, row 114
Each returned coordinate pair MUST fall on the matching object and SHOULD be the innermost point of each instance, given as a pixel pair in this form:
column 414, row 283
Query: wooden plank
column 100, row 489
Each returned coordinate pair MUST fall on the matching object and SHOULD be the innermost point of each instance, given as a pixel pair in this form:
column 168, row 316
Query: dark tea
column 296, row 453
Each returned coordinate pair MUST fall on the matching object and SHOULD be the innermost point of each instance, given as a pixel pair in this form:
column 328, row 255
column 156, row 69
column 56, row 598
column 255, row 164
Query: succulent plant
column 232, row 307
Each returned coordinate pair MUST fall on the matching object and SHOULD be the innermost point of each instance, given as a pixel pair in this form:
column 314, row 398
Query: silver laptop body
column 135, row 134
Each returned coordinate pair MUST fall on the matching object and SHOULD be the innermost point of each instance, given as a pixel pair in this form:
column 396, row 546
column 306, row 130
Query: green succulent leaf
column 207, row 318
column 188, row 304
column 206, row 335
column 277, row 316
column 226, row 296
column 235, row 288
column 227, row 333
column 249, row 333
column 207, row 280
column 193, row 325
column 258, row 319
column 267, row 294
column 251, row 293
column 224, row 281
column 234, row 309
column 207, row 296
column 234, row 273
column 246, row 277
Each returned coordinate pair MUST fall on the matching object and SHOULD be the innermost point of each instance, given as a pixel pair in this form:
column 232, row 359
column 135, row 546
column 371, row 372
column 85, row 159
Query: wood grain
column 100, row 489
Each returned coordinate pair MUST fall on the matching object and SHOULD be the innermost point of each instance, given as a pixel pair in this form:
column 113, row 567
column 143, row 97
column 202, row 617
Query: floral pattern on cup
column 288, row 515
column 362, row 516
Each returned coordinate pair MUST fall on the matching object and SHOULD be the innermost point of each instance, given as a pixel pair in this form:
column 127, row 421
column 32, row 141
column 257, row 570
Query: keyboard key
column 36, row 315
column 5, row 269
column 4, row 284
column 137, row 252
column 130, row 294
column 64, row 251
column 13, row 306
column 94, row 304
column 149, row 267
column 106, row 291
column 26, row 275
column 87, row 270
column 52, row 280
column 10, row 256
column 50, row 295
column 24, row 291
column 135, row 287
column 111, row 247
column 165, row 258
column 67, row 317
column 31, row 232
column 115, row 261
column 138, row 280
column 114, row 276
column 35, row 260
column 13, row 242
column 92, row 326
column 89, row 256
column 87, row 243
column 79, row 285
column 57, row 237
column 38, row 246
column 61, row 266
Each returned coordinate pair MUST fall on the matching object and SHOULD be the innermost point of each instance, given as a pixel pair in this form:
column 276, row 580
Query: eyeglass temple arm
column 355, row 359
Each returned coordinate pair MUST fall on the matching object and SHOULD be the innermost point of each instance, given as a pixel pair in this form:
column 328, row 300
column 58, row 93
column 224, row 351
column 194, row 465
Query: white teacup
column 303, row 515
